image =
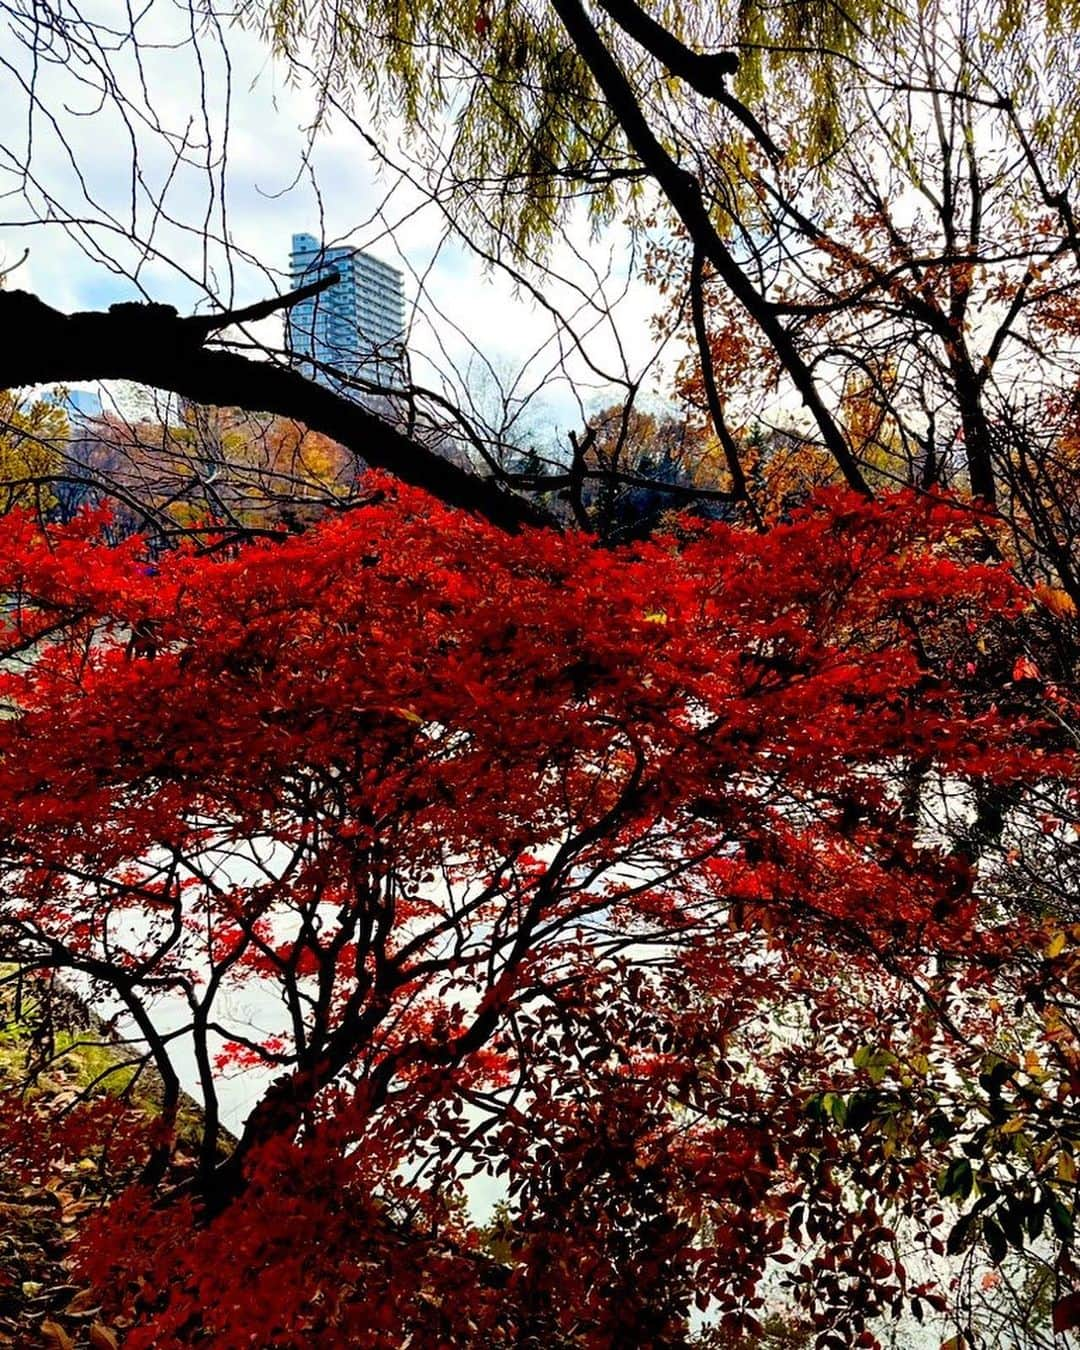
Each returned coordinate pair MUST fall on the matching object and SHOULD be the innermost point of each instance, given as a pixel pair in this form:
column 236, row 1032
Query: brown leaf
column 103, row 1337
column 56, row 1336
column 76, row 1208
column 84, row 1301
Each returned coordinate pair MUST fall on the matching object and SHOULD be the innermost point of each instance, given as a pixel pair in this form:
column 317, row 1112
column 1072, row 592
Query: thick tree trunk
column 976, row 428
column 152, row 344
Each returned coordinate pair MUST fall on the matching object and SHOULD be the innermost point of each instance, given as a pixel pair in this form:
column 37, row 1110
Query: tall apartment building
column 357, row 326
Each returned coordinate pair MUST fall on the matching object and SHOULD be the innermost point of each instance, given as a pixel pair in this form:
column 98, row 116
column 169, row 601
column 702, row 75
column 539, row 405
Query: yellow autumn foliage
column 33, row 438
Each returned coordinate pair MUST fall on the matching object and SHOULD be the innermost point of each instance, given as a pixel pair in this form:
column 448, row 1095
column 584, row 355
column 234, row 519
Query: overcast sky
column 146, row 235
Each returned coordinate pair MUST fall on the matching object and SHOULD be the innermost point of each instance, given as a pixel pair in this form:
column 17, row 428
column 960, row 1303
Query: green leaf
column 958, row 1236
column 860, row 1109
column 941, row 1127
column 958, row 1179
column 995, row 1241
column 880, row 1061
column 1011, row 1217
column 996, row 1072
column 1061, row 1218
column 835, row 1106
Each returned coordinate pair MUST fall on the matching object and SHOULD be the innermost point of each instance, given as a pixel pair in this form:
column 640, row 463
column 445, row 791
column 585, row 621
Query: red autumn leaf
column 1067, row 1313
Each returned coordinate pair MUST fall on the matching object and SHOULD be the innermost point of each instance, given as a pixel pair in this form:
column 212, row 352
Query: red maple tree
column 593, row 871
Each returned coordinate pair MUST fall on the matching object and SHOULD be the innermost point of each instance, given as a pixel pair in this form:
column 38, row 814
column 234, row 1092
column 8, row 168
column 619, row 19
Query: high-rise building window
column 356, row 327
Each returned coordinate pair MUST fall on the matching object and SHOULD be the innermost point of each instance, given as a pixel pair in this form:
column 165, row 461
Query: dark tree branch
column 704, row 72
column 712, row 394
column 153, row 345
column 684, row 193
column 214, row 323
column 740, row 111
column 550, row 482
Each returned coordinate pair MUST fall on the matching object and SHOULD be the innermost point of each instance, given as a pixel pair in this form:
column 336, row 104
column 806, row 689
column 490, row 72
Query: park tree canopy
column 594, row 871
column 670, row 924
